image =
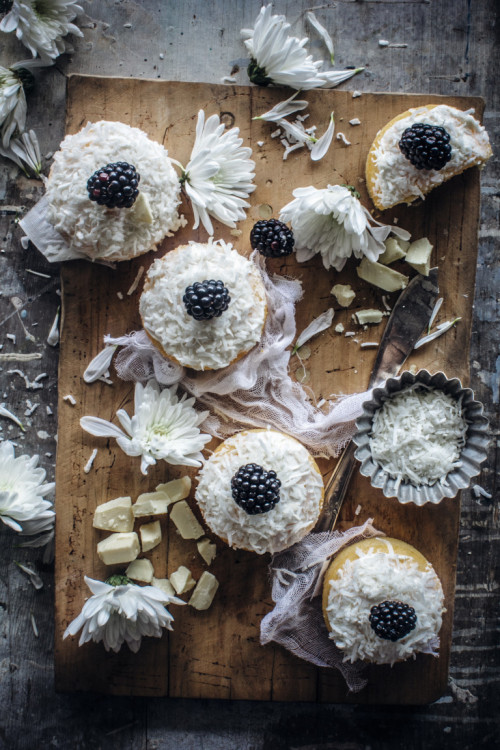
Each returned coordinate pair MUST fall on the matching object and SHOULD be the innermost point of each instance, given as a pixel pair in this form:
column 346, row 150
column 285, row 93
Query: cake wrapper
column 296, row 622
column 257, row 390
column 46, row 239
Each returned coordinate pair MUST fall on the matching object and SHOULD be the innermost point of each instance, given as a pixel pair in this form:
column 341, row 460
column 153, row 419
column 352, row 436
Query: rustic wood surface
column 217, row 654
column 450, row 48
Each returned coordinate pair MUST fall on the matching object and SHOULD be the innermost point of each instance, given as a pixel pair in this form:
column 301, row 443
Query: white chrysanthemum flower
column 12, row 102
column 25, row 152
column 280, row 59
column 41, row 25
column 163, row 427
column 219, row 176
column 121, row 611
column 332, row 221
column 22, row 493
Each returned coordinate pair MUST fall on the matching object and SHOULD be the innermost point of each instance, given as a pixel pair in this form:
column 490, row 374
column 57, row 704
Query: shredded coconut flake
column 417, row 435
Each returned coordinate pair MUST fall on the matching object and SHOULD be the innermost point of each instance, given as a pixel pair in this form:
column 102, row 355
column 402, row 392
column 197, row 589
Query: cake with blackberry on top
column 112, row 192
column 260, row 491
column 420, row 149
column 204, row 305
column 382, row 602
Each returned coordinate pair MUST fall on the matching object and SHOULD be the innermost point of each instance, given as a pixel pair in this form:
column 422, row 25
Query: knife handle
column 336, row 488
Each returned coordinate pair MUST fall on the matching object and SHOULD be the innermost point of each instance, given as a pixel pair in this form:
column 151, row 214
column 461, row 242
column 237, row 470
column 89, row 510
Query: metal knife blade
column 409, row 317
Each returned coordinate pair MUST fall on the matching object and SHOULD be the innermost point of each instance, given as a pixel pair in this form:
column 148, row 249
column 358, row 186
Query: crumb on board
column 70, row 399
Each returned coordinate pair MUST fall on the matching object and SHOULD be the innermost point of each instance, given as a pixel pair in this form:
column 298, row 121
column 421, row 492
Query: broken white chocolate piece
column 395, row 249
column 119, row 548
column 419, row 256
column 115, row 515
column 150, row 535
column 203, row 595
column 207, row 550
column 140, row 570
column 368, row 316
column 177, row 489
column 343, row 293
column 385, row 278
column 339, row 328
column 164, row 585
column 151, row 504
column 186, row 521
column 141, row 210
column 182, row 580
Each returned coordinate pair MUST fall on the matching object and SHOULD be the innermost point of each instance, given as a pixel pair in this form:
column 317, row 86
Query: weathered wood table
column 437, row 48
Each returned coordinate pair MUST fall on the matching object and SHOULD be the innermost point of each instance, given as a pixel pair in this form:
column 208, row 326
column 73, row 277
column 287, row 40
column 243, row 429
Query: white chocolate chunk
column 207, row 550
column 150, row 535
column 419, row 256
column 115, row 515
column 185, row 520
column 152, row 507
column 141, row 210
column 394, row 250
column 203, row 595
column 164, row 585
column 177, row 489
column 140, row 570
column 368, row 316
column 343, row 293
column 339, row 328
column 385, row 278
column 182, row 580
column 119, row 548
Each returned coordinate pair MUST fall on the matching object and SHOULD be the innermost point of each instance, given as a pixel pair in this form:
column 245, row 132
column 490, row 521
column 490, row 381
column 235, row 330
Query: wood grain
column 216, row 654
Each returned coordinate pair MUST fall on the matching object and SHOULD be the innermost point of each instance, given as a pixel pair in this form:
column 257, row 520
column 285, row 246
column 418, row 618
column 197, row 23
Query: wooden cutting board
column 216, row 654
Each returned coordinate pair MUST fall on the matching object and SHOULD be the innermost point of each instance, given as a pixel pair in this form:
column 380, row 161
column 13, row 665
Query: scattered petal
column 442, row 328
column 322, row 145
column 322, row 32
column 53, row 337
column 434, row 313
column 99, row 365
column 32, row 575
column 8, row 414
column 321, row 323
column 283, row 109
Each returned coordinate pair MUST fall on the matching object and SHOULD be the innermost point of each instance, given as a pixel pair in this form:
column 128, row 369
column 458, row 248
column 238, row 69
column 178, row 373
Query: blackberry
column 114, row 185
column 272, row 238
column 205, row 300
column 426, row 146
column 392, row 620
column 255, row 490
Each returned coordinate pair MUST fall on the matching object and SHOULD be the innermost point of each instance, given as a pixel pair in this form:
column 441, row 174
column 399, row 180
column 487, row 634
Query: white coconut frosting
column 112, row 233
column 291, row 518
column 206, row 344
column 395, row 177
column 375, row 577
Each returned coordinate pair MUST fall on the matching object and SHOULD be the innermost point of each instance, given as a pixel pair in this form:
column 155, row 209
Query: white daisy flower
column 14, row 82
column 332, row 221
column 277, row 57
column 22, row 493
column 219, row 176
column 163, row 427
column 280, row 59
column 121, row 611
column 41, row 25
column 25, row 152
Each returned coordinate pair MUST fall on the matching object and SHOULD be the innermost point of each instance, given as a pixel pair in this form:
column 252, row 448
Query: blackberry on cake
column 115, row 185
column 392, row 620
column 426, row 146
column 255, row 490
column 272, row 238
column 205, row 300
